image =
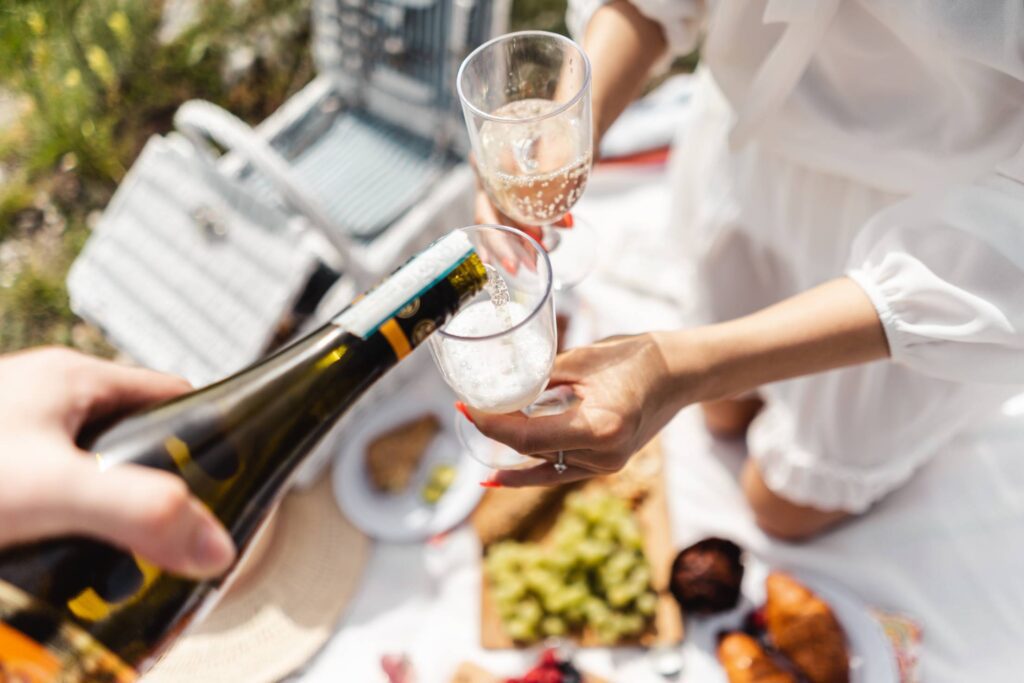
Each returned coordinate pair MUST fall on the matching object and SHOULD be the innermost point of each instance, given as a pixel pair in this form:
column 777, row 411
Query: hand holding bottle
column 89, row 610
column 53, row 488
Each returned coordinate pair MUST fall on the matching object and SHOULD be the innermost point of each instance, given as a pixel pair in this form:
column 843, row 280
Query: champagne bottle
column 76, row 609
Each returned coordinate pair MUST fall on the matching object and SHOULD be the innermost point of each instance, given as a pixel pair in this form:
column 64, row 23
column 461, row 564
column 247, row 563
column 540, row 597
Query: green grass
column 96, row 82
column 547, row 15
column 35, row 311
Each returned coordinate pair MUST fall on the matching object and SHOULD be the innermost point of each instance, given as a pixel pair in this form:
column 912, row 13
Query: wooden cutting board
column 642, row 480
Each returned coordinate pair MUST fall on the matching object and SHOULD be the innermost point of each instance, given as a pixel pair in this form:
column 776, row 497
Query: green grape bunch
column 593, row 576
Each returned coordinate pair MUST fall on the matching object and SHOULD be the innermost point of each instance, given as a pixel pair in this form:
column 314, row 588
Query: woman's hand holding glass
column 628, row 388
column 623, row 399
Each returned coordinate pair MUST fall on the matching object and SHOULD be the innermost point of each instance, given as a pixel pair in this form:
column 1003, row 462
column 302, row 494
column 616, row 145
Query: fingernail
column 509, row 265
column 491, row 484
column 566, row 222
column 212, row 549
column 461, row 407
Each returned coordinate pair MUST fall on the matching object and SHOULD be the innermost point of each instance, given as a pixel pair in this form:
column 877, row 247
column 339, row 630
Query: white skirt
column 756, row 228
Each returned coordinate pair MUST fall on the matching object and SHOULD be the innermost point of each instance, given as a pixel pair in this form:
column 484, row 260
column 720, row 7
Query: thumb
column 149, row 512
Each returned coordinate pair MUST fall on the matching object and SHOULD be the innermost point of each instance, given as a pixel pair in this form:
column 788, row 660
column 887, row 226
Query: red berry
column 552, row 676
column 549, row 657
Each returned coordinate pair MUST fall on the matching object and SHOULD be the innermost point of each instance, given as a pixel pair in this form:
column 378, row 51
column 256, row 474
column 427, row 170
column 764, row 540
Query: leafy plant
column 545, row 15
column 92, row 80
column 101, row 76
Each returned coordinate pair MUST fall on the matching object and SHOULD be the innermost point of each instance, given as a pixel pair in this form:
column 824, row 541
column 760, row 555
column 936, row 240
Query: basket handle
column 200, row 121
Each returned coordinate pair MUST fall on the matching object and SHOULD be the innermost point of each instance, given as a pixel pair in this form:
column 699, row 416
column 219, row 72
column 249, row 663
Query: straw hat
column 284, row 602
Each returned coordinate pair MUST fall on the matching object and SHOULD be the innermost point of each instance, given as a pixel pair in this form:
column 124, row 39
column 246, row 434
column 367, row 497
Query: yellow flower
column 36, row 22
column 73, row 78
column 100, row 64
column 119, row 25
column 41, row 54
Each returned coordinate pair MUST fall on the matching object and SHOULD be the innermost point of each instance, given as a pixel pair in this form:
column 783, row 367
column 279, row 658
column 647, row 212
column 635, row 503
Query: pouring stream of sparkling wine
column 497, row 289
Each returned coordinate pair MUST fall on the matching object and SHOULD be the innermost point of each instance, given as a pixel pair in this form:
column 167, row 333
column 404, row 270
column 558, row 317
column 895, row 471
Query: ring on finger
column 560, row 465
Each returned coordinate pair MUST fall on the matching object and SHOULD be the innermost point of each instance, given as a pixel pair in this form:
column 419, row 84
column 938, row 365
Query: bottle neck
column 317, row 379
column 406, row 326
column 438, row 281
column 331, row 368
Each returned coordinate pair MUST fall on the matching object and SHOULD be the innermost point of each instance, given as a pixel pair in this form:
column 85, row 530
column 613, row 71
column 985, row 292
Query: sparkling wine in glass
column 497, row 353
column 526, row 100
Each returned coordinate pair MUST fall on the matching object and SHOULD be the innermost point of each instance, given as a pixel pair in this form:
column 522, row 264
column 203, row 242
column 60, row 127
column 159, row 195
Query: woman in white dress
column 850, row 192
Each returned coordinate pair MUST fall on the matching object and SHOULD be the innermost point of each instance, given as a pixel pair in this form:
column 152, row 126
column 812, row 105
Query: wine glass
column 526, row 100
column 497, row 352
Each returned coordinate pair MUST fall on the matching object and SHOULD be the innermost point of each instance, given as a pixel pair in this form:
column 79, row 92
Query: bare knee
column 781, row 518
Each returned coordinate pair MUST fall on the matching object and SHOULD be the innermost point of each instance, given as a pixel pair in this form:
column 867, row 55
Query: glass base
column 497, row 455
column 489, row 452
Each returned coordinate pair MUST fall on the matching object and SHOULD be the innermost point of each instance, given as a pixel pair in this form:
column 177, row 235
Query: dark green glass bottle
column 75, row 609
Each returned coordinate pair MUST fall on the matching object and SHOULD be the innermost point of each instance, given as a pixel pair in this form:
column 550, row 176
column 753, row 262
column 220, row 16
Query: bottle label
column 66, row 653
column 377, row 309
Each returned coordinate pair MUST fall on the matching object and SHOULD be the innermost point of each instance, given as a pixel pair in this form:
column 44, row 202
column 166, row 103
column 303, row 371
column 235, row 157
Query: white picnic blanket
column 947, row 549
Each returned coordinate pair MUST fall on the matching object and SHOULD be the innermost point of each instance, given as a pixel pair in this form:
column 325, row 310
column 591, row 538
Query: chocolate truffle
column 706, row 576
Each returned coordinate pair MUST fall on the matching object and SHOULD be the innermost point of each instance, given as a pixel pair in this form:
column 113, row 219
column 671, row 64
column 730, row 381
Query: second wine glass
column 497, row 353
column 526, row 100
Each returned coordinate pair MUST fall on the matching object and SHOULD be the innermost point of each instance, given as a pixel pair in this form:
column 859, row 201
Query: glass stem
column 549, row 237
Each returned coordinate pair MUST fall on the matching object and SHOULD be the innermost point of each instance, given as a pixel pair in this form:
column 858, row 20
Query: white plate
column 871, row 657
column 405, row 517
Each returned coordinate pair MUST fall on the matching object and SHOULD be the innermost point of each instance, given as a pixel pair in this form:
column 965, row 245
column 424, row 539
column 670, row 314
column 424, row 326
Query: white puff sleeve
column 681, row 20
column 945, row 271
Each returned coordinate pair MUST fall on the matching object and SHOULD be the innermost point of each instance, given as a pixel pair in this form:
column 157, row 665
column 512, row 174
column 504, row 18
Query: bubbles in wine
column 496, row 287
column 497, row 375
column 534, row 171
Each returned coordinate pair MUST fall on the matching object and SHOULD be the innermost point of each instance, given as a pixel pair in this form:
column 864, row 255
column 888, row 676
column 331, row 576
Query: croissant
column 803, row 628
column 745, row 661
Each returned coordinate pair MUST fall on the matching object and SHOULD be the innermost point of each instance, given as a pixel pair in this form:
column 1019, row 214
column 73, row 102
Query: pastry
column 802, row 627
column 706, row 576
column 393, row 457
column 745, row 661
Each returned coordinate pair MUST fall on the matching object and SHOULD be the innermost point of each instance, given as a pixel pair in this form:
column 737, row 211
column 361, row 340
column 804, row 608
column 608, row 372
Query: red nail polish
column 566, row 221
column 461, row 407
column 491, row 484
column 509, row 265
